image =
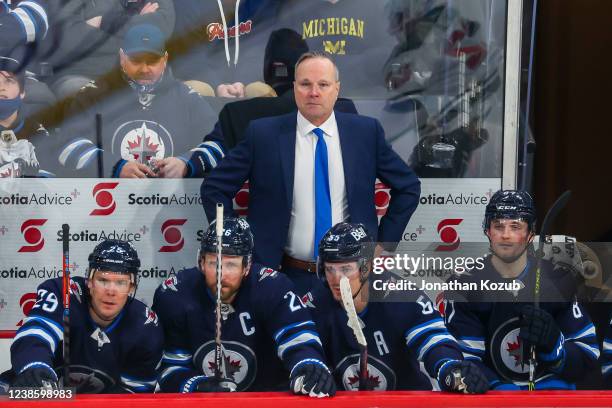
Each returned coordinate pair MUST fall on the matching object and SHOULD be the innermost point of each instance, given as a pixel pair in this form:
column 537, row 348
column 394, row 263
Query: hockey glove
column 463, row 376
column 212, row 384
column 538, row 328
column 313, row 379
column 37, row 376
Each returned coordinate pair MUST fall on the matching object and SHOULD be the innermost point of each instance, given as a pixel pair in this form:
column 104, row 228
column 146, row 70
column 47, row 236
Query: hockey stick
column 353, row 323
column 220, row 372
column 552, row 213
column 66, row 302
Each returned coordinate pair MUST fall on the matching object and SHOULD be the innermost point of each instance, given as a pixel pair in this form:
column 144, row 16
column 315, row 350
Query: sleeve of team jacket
column 177, row 372
column 465, row 325
column 24, row 24
column 288, row 321
column 427, row 337
column 39, row 338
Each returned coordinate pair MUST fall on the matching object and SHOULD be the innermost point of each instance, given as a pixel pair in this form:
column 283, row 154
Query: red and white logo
column 448, row 234
column 151, row 317
column 104, row 199
column 241, row 200
column 215, row 30
column 27, row 302
column 382, row 196
column 170, row 283
column 172, row 235
column 32, row 235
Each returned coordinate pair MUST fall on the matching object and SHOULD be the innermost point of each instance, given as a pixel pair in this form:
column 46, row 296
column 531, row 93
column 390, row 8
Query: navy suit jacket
column 266, row 158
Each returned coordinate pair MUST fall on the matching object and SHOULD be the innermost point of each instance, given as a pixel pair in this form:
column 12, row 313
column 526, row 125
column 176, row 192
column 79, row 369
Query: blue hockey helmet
column 237, row 238
column 345, row 242
column 511, row 204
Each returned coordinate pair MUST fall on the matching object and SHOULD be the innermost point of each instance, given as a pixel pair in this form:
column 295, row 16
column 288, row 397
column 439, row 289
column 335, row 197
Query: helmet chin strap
column 364, row 279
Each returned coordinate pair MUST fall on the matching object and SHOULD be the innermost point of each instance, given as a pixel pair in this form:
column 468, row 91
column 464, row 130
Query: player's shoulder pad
column 183, row 280
column 78, row 286
column 143, row 316
column 318, row 297
column 266, row 273
column 267, row 285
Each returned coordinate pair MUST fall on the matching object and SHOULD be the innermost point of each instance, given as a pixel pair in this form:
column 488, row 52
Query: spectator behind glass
column 18, row 133
column 209, row 49
column 146, row 116
column 90, row 32
column 24, row 25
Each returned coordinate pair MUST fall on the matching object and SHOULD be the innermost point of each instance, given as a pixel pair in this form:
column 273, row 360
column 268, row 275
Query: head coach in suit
column 309, row 170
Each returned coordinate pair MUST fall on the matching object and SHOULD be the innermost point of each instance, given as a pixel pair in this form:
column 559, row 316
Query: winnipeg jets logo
column 307, row 300
column 239, row 360
column 267, row 272
column 75, row 289
column 170, row 283
column 380, row 376
column 101, row 337
column 142, row 141
column 151, row 317
column 505, row 352
column 88, row 380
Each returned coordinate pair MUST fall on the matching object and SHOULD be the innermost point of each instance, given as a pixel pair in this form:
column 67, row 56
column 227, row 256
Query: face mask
column 143, row 89
column 9, row 106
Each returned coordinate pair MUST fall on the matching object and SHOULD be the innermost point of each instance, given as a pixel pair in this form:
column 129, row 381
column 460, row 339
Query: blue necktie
column 323, row 213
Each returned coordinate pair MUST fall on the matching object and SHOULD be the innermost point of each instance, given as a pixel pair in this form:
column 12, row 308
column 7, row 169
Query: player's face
column 109, row 293
column 335, row 271
column 232, row 273
column 508, row 238
column 144, row 68
column 316, row 89
column 9, row 86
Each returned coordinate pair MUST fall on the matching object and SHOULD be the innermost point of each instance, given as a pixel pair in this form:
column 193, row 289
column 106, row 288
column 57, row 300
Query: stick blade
column 349, row 306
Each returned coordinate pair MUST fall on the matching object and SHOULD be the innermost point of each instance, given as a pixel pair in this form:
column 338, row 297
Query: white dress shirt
column 300, row 242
